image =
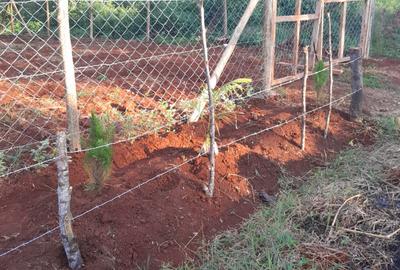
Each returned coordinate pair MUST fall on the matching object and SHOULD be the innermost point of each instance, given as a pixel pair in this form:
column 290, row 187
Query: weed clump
column 98, row 159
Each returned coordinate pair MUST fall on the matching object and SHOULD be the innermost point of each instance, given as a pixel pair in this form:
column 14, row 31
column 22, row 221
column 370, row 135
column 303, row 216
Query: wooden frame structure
column 317, row 39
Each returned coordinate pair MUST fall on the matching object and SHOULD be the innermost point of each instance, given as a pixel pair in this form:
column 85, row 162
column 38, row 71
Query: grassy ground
column 337, row 217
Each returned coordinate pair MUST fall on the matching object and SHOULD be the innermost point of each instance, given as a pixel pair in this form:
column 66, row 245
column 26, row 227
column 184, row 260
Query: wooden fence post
column 148, row 20
column 69, row 74
column 48, row 18
column 366, row 27
column 304, row 100
column 225, row 18
column 296, row 41
column 356, row 84
column 342, row 30
column 317, row 34
column 210, row 189
column 91, row 30
column 64, row 211
column 270, row 10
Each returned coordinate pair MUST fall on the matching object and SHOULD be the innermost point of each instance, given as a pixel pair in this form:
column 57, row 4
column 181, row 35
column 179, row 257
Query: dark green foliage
column 98, row 160
column 320, row 78
column 177, row 22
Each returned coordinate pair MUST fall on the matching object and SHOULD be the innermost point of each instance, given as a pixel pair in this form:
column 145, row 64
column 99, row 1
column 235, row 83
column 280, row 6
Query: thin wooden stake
column 21, row 18
column 69, row 74
column 91, row 27
column 210, row 189
column 342, row 31
column 48, row 18
column 64, row 191
column 12, row 18
column 296, row 42
column 148, row 20
column 328, row 117
column 304, row 99
column 230, row 48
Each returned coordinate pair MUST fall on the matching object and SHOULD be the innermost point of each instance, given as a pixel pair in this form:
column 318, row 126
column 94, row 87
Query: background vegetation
column 174, row 21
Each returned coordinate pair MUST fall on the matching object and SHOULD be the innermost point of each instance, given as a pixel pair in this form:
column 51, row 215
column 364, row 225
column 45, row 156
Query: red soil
column 167, row 219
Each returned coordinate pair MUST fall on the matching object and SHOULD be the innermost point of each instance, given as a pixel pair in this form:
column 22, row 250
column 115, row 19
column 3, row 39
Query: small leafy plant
column 226, row 99
column 43, row 152
column 98, row 159
column 320, row 78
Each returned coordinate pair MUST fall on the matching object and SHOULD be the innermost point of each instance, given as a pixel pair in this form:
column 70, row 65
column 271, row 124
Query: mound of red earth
column 167, row 219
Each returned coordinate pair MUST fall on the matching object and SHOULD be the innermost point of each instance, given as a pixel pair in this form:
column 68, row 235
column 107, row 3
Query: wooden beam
column 295, row 18
column 288, row 79
column 225, row 58
column 342, row 30
column 315, row 48
column 270, row 11
column 296, row 40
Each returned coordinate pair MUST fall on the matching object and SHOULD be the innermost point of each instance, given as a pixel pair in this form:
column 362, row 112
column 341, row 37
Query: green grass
column 373, row 81
column 293, row 234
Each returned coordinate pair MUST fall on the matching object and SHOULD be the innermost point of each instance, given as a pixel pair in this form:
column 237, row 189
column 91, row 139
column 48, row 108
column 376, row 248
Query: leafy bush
column 98, row 160
column 320, row 78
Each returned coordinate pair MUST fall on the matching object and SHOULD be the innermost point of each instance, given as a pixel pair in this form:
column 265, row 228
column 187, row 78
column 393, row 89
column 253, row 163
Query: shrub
column 98, row 160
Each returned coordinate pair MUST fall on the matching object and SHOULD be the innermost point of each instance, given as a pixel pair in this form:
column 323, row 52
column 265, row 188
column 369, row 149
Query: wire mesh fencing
column 138, row 61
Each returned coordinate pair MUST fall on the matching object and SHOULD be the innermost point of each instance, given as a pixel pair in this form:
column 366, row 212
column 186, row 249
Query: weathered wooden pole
column 296, row 41
column 366, row 28
column 10, row 7
column 91, row 26
column 328, row 117
column 48, row 18
column 69, row 75
column 148, row 20
column 211, row 184
column 270, row 10
column 230, row 48
column 64, row 190
column 304, row 100
column 356, row 84
column 225, row 18
column 317, row 42
column 342, row 30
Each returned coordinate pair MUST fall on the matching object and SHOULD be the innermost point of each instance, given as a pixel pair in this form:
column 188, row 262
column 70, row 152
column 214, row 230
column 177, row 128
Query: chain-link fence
column 140, row 62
